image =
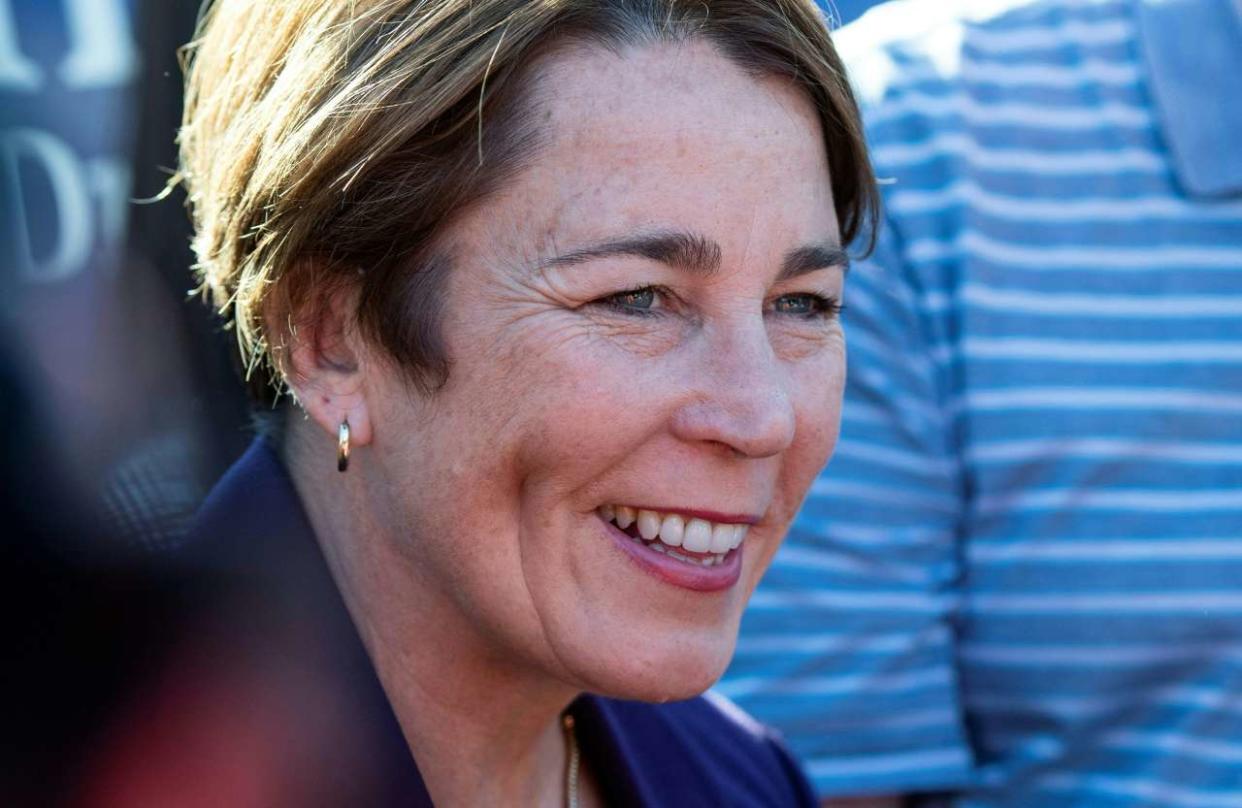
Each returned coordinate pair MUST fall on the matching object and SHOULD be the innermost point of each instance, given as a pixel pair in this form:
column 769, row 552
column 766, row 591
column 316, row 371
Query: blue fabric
column 700, row 752
column 1190, row 74
column 842, row 12
column 1020, row 579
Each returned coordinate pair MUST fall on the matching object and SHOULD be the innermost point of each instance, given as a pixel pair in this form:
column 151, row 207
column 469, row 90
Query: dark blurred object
column 270, row 701
column 202, row 677
column 76, row 631
column 119, row 403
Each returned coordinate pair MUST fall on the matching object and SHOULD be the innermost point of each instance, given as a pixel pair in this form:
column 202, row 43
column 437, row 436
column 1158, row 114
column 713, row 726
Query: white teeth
column 722, row 538
column 681, row 557
column 710, row 561
column 672, row 529
column 698, row 537
column 739, row 534
column 648, row 524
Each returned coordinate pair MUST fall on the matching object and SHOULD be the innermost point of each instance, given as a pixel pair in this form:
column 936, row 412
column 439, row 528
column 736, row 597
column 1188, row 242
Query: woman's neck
column 484, row 729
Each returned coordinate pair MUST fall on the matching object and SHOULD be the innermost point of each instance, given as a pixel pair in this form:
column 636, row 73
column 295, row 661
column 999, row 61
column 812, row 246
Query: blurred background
column 118, row 389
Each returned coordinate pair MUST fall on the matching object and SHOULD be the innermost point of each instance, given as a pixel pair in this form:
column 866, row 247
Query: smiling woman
column 557, row 282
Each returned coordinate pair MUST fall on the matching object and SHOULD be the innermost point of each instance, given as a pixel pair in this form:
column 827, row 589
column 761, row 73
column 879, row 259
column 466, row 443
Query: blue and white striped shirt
column 1020, row 578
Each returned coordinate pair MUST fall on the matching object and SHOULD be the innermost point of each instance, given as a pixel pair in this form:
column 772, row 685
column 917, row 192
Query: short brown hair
column 327, row 143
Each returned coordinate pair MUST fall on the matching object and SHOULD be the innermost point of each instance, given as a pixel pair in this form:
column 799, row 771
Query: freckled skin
column 558, row 404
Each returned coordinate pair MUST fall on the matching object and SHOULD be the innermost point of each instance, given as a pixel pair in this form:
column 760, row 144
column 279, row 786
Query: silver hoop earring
column 342, row 446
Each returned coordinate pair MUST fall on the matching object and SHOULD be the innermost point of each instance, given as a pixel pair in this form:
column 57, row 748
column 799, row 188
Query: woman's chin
column 679, row 672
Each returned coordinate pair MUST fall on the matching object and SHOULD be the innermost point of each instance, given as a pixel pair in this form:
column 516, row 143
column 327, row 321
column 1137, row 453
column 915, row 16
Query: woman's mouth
column 687, row 551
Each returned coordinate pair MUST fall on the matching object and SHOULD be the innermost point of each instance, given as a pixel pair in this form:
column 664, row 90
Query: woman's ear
column 324, row 359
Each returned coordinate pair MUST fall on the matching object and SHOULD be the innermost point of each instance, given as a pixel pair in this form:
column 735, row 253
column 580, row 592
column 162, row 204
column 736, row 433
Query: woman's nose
column 742, row 399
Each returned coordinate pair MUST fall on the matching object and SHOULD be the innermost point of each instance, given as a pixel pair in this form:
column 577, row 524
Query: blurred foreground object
column 1018, row 581
column 109, row 440
column 94, row 290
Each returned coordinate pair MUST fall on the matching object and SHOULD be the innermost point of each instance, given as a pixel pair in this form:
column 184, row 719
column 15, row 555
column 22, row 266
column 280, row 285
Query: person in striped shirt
column 1019, row 583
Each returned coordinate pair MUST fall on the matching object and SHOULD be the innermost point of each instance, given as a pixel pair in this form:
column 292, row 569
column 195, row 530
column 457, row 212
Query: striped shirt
column 1020, row 578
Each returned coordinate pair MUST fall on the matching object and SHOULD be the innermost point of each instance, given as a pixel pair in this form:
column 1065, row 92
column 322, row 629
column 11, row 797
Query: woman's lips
column 685, row 569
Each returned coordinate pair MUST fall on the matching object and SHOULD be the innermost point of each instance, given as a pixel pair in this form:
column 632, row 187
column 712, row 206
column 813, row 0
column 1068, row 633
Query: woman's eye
column 635, row 301
column 810, row 306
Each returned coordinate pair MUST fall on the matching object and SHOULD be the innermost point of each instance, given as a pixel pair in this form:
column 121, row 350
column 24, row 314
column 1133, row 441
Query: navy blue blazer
column 700, row 752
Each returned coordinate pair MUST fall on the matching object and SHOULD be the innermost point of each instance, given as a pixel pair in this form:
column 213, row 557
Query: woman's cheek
column 640, row 336
column 820, row 387
column 578, row 396
column 813, row 342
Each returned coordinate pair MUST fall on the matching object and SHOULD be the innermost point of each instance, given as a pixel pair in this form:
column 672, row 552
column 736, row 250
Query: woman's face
column 642, row 321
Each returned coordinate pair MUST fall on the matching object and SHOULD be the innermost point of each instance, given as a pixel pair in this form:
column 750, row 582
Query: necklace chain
column 571, row 763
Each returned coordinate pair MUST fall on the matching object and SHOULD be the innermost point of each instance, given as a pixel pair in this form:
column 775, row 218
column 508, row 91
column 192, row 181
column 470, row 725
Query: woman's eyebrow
column 813, row 257
column 689, row 252
column 698, row 254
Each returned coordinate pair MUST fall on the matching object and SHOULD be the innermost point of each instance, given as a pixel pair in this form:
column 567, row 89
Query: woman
column 553, row 285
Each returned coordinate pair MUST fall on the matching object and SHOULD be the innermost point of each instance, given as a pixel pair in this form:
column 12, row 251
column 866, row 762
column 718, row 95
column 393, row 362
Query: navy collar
column 1193, row 55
